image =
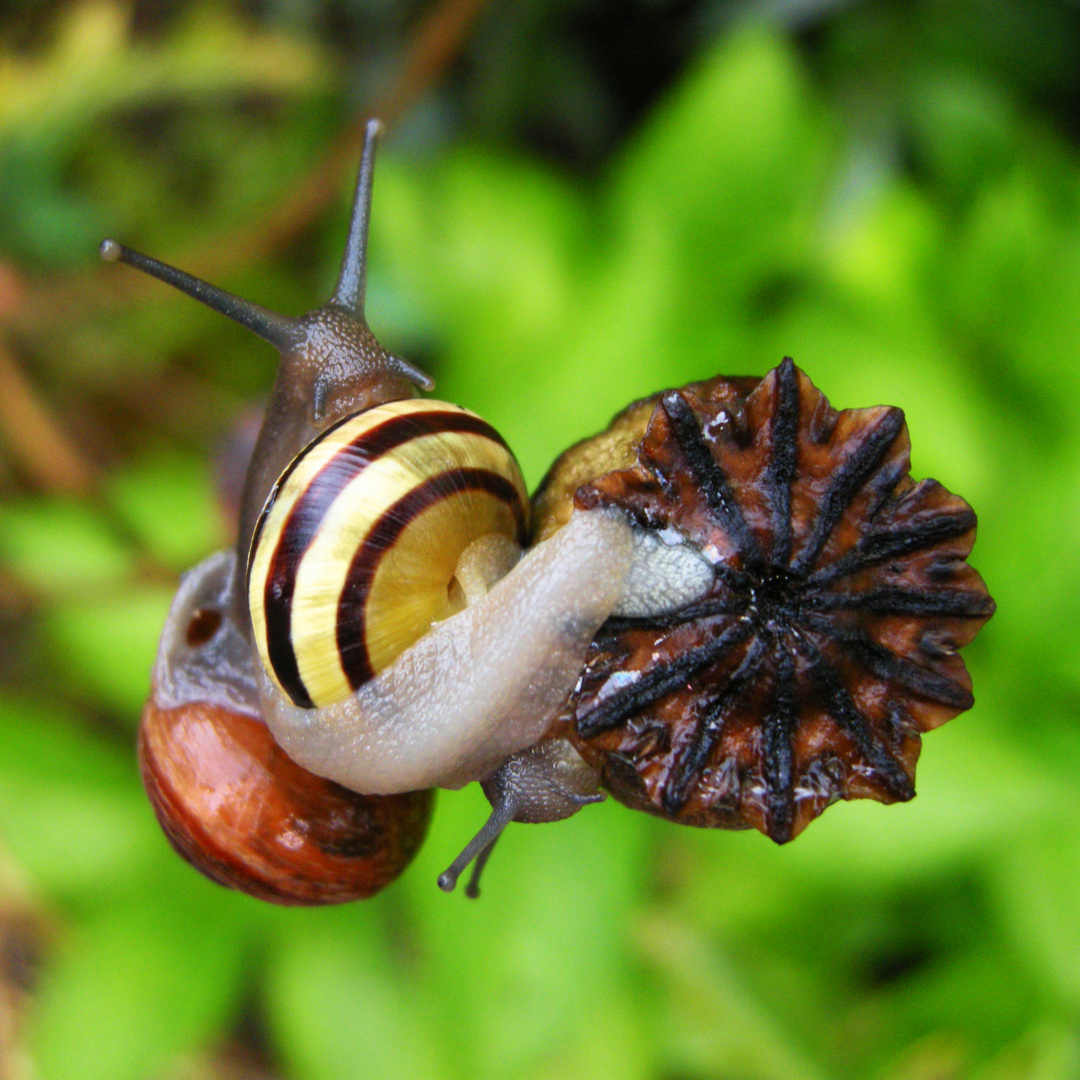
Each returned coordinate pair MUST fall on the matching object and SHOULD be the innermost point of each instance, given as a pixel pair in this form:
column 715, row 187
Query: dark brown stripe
column 778, row 754
column 690, row 765
column 310, row 509
column 876, row 751
column 391, row 433
column 666, row 678
column 919, row 531
column 962, row 603
column 351, row 624
column 281, row 481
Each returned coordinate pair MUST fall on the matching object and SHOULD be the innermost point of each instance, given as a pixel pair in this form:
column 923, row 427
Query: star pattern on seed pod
column 828, row 641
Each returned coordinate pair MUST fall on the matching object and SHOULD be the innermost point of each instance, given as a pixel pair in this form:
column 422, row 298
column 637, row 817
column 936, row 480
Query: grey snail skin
column 377, row 616
column 730, row 609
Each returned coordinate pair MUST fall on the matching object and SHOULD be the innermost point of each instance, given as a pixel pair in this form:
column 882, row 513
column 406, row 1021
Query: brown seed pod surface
column 828, row 641
column 248, row 817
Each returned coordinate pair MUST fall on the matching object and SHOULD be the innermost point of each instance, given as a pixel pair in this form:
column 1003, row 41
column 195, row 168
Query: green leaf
column 712, row 1018
column 59, row 547
column 167, row 499
column 135, row 987
column 1037, row 885
column 105, row 647
column 71, row 806
column 729, row 170
column 538, row 963
column 94, row 65
column 344, row 1004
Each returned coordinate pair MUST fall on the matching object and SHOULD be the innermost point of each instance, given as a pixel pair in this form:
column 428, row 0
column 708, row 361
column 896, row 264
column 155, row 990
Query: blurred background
column 577, row 203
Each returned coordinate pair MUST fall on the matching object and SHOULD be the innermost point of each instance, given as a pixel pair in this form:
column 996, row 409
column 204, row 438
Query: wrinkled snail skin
column 478, row 686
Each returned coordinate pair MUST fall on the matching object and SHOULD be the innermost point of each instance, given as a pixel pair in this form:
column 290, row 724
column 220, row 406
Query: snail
column 730, row 608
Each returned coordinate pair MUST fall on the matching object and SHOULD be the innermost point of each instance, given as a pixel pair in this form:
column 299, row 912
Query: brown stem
column 35, row 438
column 434, row 45
column 436, row 42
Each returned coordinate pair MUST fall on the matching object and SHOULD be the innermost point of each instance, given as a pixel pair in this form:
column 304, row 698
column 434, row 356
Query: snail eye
column 201, row 628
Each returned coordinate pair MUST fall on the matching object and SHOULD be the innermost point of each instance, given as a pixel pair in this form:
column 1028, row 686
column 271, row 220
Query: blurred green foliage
column 887, row 192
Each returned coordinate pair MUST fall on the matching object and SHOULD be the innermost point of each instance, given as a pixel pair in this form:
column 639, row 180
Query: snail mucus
column 731, row 608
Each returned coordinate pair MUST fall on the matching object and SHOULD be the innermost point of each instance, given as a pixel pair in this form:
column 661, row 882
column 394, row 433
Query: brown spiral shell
column 828, row 641
column 245, row 815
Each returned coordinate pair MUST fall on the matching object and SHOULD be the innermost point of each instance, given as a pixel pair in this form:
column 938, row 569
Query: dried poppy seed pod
column 828, row 640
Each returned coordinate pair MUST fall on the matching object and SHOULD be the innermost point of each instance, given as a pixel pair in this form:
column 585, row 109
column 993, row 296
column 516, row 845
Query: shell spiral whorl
column 354, row 555
column 828, row 641
column 234, row 806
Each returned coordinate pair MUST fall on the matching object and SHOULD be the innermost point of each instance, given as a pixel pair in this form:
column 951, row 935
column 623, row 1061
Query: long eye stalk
column 352, row 278
column 339, row 326
column 281, row 331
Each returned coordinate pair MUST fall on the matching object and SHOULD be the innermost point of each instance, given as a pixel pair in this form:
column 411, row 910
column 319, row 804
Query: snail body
column 735, row 609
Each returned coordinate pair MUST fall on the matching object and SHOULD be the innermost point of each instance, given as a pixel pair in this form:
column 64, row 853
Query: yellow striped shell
column 354, row 555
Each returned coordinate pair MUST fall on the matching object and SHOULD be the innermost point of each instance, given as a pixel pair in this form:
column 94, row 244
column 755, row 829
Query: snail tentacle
column 479, row 848
column 546, row 782
column 352, row 277
column 281, row 331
